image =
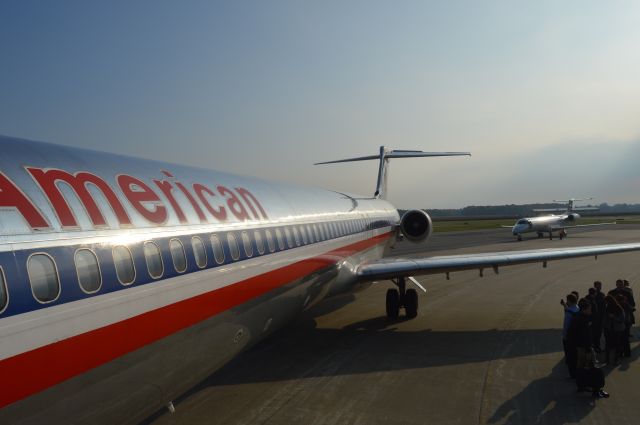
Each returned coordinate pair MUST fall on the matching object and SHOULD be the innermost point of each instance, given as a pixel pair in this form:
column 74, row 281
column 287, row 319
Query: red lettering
column 201, row 190
column 48, row 182
column 250, row 200
column 12, row 197
column 193, row 202
column 166, row 188
column 139, row 194
column 234, row 203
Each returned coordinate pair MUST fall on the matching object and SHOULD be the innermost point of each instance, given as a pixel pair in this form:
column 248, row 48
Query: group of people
column 586, row 320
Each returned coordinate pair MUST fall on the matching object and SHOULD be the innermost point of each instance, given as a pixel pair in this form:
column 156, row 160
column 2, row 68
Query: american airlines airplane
column 124, row 282
column 553, row 222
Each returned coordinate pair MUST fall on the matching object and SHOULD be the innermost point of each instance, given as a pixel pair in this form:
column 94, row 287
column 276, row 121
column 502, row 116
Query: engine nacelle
column 573, row 216
column 416, row 225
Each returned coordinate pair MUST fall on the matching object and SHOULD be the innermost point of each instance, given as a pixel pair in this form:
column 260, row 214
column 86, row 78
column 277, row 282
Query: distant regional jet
column 553, row 222
column 125, row 282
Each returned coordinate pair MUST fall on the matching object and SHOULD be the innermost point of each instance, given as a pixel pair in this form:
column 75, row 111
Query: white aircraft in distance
column 553, row 222
column 125, row 282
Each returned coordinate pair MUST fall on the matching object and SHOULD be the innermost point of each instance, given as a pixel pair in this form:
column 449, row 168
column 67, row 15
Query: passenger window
column 296, row 235
column 154, row 260
column 233, row 246
column 88, row 270
column 287, row 233
column 122, row 259
column 178, row 255
column 270, row 242
column 199, row 252
column 4, row 297
column 218, row 252
column 257, row 236
column 316, row 232
column 312, row 239
column 280, row 239
column 303, row 235
column 246, row 243
column 43, row 277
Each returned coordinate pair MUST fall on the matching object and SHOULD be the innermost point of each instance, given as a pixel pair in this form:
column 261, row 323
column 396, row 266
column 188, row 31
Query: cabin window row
column 45, row 281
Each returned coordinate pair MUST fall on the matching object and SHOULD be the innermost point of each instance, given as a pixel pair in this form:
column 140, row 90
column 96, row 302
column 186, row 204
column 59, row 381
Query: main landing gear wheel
column 540, row 235
column 411, row 303
column 402, row 297
column 519, row 238
column 393, row 303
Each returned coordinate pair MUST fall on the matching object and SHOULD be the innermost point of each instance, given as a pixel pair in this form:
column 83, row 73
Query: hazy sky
column 545, row 94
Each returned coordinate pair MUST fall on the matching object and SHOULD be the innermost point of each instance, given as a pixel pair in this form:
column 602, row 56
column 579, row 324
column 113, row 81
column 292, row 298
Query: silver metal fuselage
column 119, row 353
column 543, row 224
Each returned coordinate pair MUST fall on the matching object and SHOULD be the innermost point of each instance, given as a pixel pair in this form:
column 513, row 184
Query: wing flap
column 403, row 267
column 582, row 225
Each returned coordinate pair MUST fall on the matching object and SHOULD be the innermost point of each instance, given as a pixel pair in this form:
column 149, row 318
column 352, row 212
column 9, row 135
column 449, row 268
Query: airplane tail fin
column 570, row 206
column 385, row 155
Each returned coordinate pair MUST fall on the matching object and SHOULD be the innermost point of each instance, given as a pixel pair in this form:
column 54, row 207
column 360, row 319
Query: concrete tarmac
column 481, row 351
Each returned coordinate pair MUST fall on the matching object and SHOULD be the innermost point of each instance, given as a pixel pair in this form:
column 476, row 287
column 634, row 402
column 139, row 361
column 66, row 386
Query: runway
column 481, row 351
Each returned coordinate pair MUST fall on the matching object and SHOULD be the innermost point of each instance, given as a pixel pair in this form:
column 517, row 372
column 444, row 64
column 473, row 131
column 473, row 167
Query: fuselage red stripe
column 36, row 370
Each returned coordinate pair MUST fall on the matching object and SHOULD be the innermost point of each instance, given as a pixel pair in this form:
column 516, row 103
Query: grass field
column 460, row 225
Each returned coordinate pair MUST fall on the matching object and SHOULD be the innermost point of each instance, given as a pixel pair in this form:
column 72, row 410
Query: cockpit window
column 522, row 221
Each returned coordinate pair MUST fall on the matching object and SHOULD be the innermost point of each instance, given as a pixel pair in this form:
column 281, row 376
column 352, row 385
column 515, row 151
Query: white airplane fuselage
column 544, row 224
column 124, row 282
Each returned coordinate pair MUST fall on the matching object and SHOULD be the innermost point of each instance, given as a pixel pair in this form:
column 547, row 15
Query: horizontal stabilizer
column 385, row 155
column 396, row 154
column 549, row 210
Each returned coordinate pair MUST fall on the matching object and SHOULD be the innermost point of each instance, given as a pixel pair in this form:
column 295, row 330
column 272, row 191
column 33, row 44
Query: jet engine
column 416, row 225
column 573, row 216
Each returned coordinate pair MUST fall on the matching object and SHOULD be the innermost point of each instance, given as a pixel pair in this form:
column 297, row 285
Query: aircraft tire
column 540, row 235
column 411, row 303
column 519, row 238
column 393, row 303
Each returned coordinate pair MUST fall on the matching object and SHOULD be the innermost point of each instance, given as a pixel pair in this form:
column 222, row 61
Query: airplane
column 553, row 222
column 124, row 282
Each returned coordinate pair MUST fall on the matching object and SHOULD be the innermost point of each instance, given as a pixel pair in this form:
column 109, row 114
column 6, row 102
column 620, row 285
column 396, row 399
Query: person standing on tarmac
column 597, row 324
column 570, row 352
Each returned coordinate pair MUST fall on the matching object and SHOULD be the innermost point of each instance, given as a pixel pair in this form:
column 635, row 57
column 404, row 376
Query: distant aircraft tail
column 570, row 206
column 385, row 155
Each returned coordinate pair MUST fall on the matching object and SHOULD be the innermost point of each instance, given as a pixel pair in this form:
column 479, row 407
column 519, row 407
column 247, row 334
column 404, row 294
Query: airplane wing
column 389, row 268
column 583, row 225
column 507, row 227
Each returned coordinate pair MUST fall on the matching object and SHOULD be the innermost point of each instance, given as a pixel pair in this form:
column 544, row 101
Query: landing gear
column 562, row 234
column 519, row 238
column 411, row 303
column 550, row 236
column 402, row 297
column 393, row 303
column 540, row 235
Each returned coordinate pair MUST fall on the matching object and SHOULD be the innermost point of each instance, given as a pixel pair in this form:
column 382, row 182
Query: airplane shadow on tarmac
column 302, row 350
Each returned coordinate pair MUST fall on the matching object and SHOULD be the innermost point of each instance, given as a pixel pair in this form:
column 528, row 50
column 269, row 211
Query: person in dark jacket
column 570, row 352
column 579, row 333
column 613, row 325
column 580, row 337
column 597, row 323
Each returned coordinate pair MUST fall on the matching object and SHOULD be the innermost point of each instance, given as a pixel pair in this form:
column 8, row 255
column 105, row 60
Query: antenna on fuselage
column 383, row 169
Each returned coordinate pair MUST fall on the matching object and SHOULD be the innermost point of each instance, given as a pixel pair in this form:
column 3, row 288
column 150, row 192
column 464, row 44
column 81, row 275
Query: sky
column 545, row 94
